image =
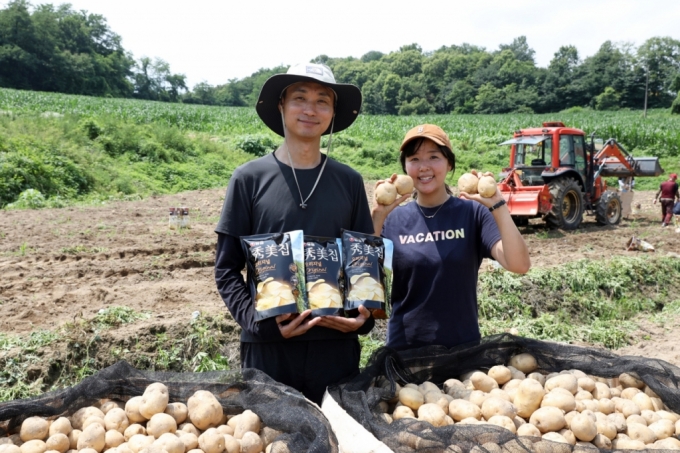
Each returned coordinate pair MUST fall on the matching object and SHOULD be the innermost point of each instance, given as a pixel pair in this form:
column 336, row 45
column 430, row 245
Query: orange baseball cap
column 431, row 131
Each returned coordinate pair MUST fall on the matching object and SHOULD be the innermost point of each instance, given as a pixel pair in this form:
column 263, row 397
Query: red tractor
column 555, row 174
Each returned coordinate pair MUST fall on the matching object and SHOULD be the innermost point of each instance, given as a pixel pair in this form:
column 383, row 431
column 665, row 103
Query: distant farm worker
column 667, row 193
column 295, row 187
column 626, row 186
column 439, row 244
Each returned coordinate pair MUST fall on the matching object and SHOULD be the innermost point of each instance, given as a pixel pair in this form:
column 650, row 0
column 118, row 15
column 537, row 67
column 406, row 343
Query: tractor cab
column 538, row 155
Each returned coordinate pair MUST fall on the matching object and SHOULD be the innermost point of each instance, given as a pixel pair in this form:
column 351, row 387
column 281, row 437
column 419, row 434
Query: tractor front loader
column 555, row 174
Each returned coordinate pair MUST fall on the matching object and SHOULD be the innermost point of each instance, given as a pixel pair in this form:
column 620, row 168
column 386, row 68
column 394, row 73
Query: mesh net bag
column 280, row 407
column 361, row 396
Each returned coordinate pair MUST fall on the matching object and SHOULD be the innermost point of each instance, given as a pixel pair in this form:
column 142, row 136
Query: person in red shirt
column 667, row 193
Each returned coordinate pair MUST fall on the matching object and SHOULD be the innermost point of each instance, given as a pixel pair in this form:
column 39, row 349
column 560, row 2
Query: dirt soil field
column 59, row 265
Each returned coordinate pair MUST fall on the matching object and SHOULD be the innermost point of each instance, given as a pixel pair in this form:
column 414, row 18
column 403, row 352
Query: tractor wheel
column 567, row 201
column 609, row 209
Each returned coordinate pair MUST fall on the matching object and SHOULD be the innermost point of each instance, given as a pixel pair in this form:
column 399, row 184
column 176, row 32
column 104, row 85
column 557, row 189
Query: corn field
column 658, row 134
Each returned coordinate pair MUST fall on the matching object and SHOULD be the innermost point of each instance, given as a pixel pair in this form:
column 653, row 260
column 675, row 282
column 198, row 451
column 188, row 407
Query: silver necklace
column 303, row 205
column 435, row 212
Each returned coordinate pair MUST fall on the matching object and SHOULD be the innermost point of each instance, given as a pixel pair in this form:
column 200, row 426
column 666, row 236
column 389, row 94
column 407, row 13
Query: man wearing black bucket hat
column 297, row 187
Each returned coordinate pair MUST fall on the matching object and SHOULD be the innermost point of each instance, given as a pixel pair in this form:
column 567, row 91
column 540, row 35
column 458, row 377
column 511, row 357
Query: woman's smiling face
column 428, row 168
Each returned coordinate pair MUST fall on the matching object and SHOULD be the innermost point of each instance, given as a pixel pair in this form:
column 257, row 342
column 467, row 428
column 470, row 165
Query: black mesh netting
column 360, row 396
column 280, row 407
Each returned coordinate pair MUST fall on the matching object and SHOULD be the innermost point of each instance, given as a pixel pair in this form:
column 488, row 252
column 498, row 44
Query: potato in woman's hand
column 468, row 183
column 385, row 193
column 487, row 186
column 404, row 184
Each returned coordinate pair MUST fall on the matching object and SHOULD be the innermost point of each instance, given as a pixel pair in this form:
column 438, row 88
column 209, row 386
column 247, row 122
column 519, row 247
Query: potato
column 627, row 444
column 189, row 440
column 669, row 443
column 34, row 428
column 269, row 435
column 619, row 421
column 537, row 376
column 231, row 445
column 601, row 390
column 628, row 380
column 637, row 431
column 607, row 428
column 403, row 412
column 650, row 416
column 385, row 194
column 251, row 443
column 662, row 429
column 411, row 397
column 33, row 446
column 483, row 382
column 643, row 401
column 629, row 393
column 668, row 416
column 93, row 437
column 154, row 400
column 468, row 183
column 60, row 442
column 568, row 436
column 428, row 386
column 583, row 395
column 528, row 397
column 555, row 437
column 113, row 438
column 204, row 410
column 432, row 414
column 498, row 406
column 211, row 441
column 139, row 442
column 477, row 397
column 565, row 381
column 189, row 428
column 116, row 419
column 548, row 419
column 586, row 383
column 133, row 429
column 108, row 405
column 438, row 399
column 583, row 427
column 504, row 422
column 170, row 443
column 61, row 425
column 629, row 408
column 73, row 438
column 9, row 448
column 403, row 184
column 502, row 394
column 560, row 398
column 159, row 424
column 94, row 419
column 225, row 429
column 247, row 421
column 132, row 410
column 82, row 414
column 601, row 441
column 525, row 362
column 453, row 384
column 528, row 430
column 461, row 409
column 487, row 186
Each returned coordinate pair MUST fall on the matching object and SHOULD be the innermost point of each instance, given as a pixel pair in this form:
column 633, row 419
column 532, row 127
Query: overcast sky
column 215, row 41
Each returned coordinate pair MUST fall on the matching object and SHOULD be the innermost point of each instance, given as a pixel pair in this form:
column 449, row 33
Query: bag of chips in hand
column 276, row 271
column 323, row 275
column 367, row 261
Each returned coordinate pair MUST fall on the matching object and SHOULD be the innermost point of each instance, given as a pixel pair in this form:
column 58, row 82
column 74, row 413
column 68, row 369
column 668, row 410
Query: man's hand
column 654, row 202
column 345, row 324
column 298, row 324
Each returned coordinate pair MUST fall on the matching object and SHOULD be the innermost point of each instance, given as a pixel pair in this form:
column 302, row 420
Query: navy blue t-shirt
column 436, row 264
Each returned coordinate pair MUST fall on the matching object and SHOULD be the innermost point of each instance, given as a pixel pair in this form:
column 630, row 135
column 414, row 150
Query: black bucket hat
column 348, row 97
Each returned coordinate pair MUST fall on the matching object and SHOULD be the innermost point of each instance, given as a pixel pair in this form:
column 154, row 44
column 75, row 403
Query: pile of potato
column 146, row 424
column 569, row 407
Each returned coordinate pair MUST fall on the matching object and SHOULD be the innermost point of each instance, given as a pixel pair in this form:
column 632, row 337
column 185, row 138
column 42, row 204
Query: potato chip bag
column 276, row 272
column 323, row 275
column 367, row 261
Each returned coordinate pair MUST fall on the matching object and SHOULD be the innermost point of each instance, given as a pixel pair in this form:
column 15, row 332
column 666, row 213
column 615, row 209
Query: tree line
column 49, row 48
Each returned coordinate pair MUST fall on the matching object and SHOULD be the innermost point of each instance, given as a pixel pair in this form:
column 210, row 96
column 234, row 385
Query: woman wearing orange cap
column 439, row 243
